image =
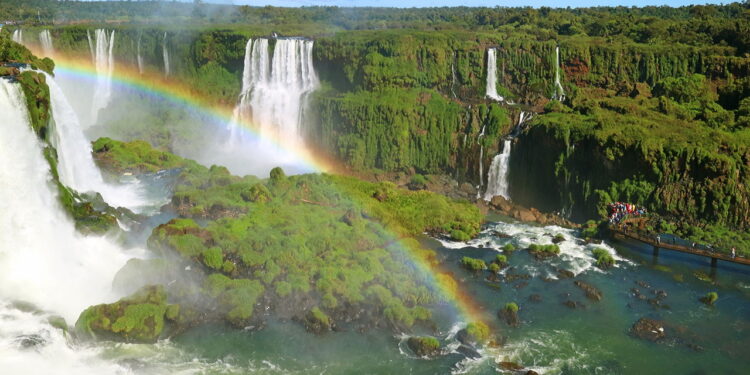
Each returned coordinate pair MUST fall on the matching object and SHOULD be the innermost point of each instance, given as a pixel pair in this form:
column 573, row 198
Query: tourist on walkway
column 734, row 253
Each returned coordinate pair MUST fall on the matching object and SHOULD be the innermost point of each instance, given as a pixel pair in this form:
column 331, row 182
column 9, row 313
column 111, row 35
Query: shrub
column 418, row 182
column 501, row 259
column 511, row 307
column 549, row 249
column 710, row 298
column 558, row 238
column 424, row 345
column 473, row 264
column 509, row 247
column 478, row 331
column 494, row 267
column 603, row 258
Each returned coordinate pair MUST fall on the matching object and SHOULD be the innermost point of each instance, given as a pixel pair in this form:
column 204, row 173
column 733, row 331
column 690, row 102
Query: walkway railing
column 650, row 239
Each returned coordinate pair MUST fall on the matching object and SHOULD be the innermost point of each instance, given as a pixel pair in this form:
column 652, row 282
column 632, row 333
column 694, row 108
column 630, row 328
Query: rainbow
column 177, row 93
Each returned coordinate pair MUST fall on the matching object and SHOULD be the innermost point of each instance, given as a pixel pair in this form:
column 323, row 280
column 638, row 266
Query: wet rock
column 531, row 372
column 558, row 238
column 510, row 314
column 30, row 341
column 535, row 298
column 424, row 346
column 591, row 291
column 643, row 284
column 509, row 366
column 565, row 274
column 649, row 330
column 660, row 294
column 511, row 277
column 574, row 304
column 468, row 352
column 521, row 285
column 500, row 234
column 141, row 317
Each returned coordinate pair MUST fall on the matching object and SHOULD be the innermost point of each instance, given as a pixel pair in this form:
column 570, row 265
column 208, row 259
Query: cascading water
column 17, row 36
column 139, row 58
column 559, row 91
column 274, row 90
column 497, row 178
column 491, row 91
column 44, row 263
column 45, row 38
column 101, row 53
column 75, row 164
column 481, row 159
column 165, row 55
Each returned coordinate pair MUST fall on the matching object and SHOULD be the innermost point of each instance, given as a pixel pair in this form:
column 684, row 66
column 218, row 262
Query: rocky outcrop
column 424, row 346
column 592, row 292
column 142, row 317
column 649, row 330
column 530, row 215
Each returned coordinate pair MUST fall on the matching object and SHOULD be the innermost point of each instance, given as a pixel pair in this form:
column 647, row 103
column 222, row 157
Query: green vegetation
column 604, row 259
column 473, row 264
column 290, row 241
column 138, row 318
column 509, row 248
column 544, row 251
column 478, row 332
column 501, row 259
column 511, row 307
column 710, row 298
column 424, row 346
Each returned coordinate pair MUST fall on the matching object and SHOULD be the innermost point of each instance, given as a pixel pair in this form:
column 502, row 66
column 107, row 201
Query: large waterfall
column 491, row 90
column 44, row 262
column 17, row 36
column 75, row 163
column 165, row 55
column 101, row 54
column 274, row 89
column 559, row 91
column 45, row 38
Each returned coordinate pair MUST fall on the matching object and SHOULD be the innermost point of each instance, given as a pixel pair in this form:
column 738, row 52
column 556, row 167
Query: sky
column 487, row 3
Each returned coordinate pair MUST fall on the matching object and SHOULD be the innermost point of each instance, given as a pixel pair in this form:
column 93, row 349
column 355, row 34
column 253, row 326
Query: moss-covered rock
column 139, row 318
column 424, row 346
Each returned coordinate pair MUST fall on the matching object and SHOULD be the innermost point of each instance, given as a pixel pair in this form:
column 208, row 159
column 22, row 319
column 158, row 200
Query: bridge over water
column 627, row 229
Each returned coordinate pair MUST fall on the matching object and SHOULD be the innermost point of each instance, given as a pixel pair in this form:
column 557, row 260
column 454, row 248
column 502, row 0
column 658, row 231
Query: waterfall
column 17, row 36
column 45, row 38
column 559, row 91
column 481, row 157
column 453, row 76
column 105, row 65
column 44, row 262
column 274, row 90
column 492, row 75
column 497, row 178
column 139, row 58
column 75, row 163
column 165, row 54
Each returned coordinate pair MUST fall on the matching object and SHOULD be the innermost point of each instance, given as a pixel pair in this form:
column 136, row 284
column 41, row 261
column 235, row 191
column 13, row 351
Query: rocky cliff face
column 404, row 100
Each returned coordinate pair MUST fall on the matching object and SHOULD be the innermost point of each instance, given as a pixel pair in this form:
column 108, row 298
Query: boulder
column 424, row 346
column 591, row 291
column 649, row 329
column 140, row 317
